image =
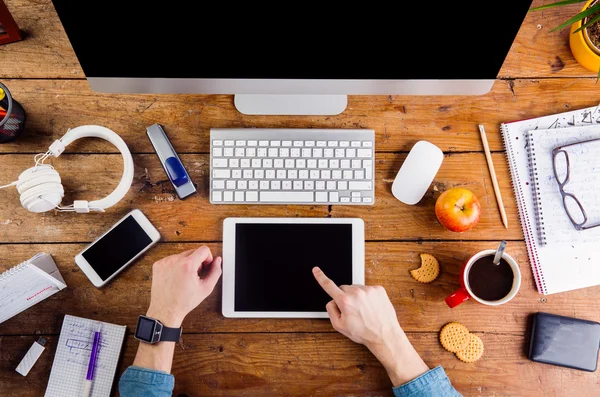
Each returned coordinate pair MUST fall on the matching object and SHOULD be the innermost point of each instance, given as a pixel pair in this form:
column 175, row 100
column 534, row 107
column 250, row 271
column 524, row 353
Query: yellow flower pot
column 582, row 48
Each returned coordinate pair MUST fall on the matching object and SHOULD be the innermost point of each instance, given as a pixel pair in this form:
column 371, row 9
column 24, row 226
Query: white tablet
column 267, row 264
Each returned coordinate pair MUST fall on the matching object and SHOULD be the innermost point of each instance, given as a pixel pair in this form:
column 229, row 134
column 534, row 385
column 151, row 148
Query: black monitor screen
column 273, row 265
column 435, row 39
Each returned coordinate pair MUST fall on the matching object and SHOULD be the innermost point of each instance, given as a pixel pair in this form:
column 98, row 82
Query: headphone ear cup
column 40, row 191
column 46, row 202
column 39, row 179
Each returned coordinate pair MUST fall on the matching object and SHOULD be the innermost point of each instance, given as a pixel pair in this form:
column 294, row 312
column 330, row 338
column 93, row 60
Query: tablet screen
column 273, row 265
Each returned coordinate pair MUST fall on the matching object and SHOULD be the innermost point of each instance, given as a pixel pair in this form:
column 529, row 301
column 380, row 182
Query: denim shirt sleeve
column 144, row 382
column 433, row 383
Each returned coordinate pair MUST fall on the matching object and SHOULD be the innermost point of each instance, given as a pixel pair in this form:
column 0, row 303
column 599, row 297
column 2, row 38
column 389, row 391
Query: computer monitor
column 292, row 58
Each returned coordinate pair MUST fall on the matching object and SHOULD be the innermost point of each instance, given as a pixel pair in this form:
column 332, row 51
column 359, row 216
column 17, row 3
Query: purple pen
column 87, row 386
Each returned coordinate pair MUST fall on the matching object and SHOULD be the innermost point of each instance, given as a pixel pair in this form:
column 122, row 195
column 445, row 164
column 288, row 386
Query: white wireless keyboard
column 292, row 166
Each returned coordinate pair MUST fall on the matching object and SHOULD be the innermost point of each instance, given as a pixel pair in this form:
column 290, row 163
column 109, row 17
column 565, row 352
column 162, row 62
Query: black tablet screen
column 273, row 265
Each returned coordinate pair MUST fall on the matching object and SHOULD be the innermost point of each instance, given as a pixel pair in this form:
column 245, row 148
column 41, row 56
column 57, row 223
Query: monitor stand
column 291, row 105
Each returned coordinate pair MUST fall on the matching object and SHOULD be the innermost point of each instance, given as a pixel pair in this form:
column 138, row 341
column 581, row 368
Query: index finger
column 325, row 282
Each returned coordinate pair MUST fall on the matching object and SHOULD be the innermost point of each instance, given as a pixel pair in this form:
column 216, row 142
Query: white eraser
column 35, row 351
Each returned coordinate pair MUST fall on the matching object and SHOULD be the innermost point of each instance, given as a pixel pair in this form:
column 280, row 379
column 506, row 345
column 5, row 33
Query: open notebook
column 561, row 262
column 70, row 364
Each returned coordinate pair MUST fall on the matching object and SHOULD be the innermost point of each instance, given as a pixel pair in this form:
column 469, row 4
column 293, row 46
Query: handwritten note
column 584, row 183
column 73, row 354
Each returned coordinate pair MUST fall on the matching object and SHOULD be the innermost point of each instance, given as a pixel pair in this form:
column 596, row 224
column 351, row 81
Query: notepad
column 70, row 363
column 28, row 283
column 557, row 266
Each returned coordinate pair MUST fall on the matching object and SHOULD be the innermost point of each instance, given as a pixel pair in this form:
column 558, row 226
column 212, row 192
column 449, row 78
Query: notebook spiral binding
column 535, row 187
column 523, row 213
column 13, row 270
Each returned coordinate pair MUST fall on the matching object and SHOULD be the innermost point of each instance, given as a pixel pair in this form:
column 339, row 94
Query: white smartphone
column 122, row 244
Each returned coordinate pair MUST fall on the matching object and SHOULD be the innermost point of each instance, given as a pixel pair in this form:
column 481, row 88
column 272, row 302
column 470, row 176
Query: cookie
column 429, row 270
column 474, row 350
column 454, row 337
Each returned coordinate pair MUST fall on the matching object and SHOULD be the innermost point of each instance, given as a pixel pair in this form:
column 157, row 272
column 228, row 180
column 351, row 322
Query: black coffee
column 489, row 281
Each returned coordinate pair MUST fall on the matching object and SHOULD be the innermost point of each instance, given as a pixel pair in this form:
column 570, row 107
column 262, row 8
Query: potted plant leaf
column 584, row 39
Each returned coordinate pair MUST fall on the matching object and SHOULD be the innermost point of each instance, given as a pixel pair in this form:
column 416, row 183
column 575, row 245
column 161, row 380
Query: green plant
column 592, row 13
column 593, row 9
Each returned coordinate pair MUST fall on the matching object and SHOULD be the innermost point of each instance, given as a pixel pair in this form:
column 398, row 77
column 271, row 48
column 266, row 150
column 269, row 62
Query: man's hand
column 177, row 287
column 365, row 315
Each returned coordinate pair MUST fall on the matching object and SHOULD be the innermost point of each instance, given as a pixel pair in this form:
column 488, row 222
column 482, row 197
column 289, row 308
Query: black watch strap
column 170, row 334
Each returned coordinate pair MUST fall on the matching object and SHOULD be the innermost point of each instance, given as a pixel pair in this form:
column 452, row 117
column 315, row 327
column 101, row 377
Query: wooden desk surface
column 260, row 357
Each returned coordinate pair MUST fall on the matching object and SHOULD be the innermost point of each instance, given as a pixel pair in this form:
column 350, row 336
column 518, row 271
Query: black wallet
column 565, row 341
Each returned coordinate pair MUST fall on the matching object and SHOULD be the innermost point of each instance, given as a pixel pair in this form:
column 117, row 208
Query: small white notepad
column 28, row 283
column 70, row 364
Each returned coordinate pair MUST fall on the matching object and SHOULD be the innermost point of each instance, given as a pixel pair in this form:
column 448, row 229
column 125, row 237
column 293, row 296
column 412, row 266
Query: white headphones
column 40, row 186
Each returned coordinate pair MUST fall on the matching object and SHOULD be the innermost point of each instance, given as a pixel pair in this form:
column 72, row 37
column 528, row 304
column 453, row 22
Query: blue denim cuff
column 138, row 377
column 432, row 383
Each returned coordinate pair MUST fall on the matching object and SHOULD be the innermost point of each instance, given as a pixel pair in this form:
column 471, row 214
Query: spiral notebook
column 70, row 364
column 28, row 283
column 562, row 261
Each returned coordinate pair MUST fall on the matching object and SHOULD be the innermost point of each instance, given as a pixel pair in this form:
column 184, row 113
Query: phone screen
column 117, row 247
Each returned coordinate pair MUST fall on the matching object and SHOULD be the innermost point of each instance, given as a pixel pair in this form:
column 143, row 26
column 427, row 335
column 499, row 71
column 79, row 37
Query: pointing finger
column 329, row 286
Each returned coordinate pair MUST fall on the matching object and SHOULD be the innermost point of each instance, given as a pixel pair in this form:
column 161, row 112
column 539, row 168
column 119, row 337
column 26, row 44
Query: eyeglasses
column 562, row 173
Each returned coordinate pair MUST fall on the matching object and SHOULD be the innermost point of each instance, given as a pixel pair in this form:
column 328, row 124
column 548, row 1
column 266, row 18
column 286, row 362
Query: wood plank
column 54, row 106
column 318, row 365
column 195, row 219
column 46, row 52
column 420, row 307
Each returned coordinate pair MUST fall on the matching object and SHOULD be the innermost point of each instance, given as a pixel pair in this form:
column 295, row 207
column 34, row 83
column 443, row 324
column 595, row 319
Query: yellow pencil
column 488, row 156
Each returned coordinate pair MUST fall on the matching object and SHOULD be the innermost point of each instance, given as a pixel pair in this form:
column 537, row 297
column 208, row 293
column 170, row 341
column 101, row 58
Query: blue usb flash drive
column 170, row 161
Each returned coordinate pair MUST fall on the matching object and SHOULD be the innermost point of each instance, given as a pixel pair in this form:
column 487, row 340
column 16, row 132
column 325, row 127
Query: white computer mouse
column 417, row 172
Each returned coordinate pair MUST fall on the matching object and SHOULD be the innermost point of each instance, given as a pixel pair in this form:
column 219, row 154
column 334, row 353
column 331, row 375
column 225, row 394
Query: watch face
column 145, row 329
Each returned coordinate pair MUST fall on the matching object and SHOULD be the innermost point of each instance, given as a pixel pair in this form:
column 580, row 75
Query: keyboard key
column 236, row 174
column 275, row 185
column 242, row 185
column 350, row 153
column 253, row 185
column 228, row 152
column 234, row 163
column 290, row 163
column 359, row 174
column 362, row 153
column 303, row 174
column 306, row 152
column 287, row 197
column 344, row 199
column 239, row 152
column 264, row 185
column 251, row 152
column 344, row 143
column 263, row 143
column 309, row 185
column 320, row 185
column 218, row 184
column 239, row 196
column 354, row 185
column 342, row 185
column 356, row 194
column 300, row 163
column 328, row 153
column 356, row 199
column 345, row 164
column 293, row 174
column 326, row 174
column 323, row 163
column 278, row 163
column 297, row 185
column 321, row 143
column 275, row 143
column 339, row 153
column 217, row 152
column 348, row 174
column 219, row 163
column 367, row 200
column 256, row 163
column 221, row 174
column 228, row 196
column 230, row 142
column 336, row 174
column 252, row 143
column 284, row 152
column 259, row 174
column 356, row 164
column 298, row 144
column 245, row 163
column 334, row 163
column 355, row 143
column 240, row 143
column 281, row 174
column 286, row 143
column 314, row 174
column 268, row 163
column 217, row 196
column 217, row 142
column 367, row 144
column 273, row 152
column 261, row 152
column 252, row 196
column 311, row 163
column 247, row 174
column 332, row 143
column 231, row 185
column 321, row 197
column 309, row 143
column 331, row 185
column 317, row 152
column 334, row 197
column 295, row 152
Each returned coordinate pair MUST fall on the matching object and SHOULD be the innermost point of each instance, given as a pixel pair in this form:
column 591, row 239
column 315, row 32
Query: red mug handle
column 459, row 296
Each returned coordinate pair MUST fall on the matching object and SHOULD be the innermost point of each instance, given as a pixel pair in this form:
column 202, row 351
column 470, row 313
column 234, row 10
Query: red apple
column 458, row 209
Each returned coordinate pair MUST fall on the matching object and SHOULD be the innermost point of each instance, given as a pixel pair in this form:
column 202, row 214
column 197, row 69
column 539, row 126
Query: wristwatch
column 150, row 330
